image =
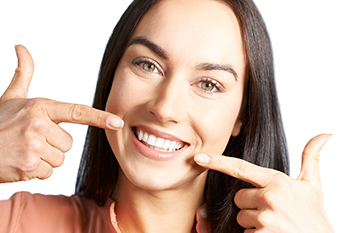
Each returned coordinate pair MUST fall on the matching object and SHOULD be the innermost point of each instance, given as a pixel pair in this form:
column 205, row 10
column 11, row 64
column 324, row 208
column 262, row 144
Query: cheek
column 215, row 127
column 123, row 95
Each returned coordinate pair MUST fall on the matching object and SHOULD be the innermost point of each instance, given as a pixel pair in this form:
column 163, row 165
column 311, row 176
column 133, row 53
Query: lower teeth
column 160, row 149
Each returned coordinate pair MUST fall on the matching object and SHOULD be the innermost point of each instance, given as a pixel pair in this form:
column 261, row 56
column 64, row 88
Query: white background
column 311, row 46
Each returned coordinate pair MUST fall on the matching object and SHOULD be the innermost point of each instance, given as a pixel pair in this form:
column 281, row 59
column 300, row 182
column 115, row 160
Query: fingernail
column 115, row 123
column 329, row 138
column 202, row 158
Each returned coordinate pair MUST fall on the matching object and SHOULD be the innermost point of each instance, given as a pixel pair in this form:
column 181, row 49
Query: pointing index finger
column 258, row 176
column 81, row 114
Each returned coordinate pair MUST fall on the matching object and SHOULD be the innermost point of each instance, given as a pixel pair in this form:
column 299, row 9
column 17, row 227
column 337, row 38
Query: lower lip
column 155, row 154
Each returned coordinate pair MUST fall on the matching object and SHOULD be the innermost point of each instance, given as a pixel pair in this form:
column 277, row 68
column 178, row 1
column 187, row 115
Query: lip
column 155, row 154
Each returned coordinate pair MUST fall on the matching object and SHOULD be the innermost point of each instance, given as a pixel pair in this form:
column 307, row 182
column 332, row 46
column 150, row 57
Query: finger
column 53, row 156
column 251, row 231
column 238, row 168
column 19, row 85
column 81, row 114
column 58, row 138
column 247, row 218
column 44, row 170
column 310, row 159
column 248, row 198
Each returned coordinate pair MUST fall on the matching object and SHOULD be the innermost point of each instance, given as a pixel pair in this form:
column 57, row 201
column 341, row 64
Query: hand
column 278, row 203
column 31, row 142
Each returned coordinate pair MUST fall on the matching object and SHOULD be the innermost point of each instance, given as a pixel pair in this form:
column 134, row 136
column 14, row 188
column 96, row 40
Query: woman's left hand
column 278, row 203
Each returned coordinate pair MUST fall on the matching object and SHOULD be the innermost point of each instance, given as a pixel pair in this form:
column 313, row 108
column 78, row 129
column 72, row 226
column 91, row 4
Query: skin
column 32, row 143
column 171, row 99
column 279, row 203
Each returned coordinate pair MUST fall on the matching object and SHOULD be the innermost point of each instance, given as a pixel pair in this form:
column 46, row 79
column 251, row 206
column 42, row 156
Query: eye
column 207, row 86
column 147, row 65
column 210, row 86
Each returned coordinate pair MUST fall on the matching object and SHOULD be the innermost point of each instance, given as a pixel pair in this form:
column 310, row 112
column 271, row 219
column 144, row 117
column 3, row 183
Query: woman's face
column 179, row 89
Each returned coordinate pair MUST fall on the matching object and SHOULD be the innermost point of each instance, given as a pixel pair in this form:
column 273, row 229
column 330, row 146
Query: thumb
column 310, row 171
column 19, row 85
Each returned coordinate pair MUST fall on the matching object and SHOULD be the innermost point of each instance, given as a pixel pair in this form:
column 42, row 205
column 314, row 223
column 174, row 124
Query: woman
column 181, row 90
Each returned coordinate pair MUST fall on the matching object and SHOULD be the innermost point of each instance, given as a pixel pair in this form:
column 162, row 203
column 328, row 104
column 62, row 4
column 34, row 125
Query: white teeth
column 152, row 140
column 158, row 143
column 172, row 145
column 145, row 137
column 177, row 146
column 140, row 136
column 166, row 143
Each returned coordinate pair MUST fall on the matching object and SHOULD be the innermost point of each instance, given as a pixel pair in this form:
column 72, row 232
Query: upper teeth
column 158, row 143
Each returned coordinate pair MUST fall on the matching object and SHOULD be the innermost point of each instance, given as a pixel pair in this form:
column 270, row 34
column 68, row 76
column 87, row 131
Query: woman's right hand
column 31, row 141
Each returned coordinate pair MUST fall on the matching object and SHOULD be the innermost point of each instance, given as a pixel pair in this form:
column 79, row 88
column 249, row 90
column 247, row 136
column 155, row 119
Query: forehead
column 198, row 29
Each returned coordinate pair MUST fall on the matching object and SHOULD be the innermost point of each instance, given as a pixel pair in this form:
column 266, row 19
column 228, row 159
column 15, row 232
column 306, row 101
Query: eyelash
column 142, row 60
column 139, row 61
column 219, row 88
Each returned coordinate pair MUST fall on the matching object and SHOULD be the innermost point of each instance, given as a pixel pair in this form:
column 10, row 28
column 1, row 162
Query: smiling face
column 179, row 89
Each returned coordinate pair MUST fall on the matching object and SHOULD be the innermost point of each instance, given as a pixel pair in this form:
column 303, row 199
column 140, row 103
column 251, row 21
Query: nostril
column 166, row 107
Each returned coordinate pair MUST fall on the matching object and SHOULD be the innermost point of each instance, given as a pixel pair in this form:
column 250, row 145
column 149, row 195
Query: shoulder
column 50, row 213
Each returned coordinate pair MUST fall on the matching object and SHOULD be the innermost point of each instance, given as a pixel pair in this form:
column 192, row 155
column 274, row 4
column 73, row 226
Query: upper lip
column 160, row 134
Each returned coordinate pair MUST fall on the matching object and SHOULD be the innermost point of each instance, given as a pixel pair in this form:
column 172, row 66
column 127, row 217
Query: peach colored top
column 29, row 213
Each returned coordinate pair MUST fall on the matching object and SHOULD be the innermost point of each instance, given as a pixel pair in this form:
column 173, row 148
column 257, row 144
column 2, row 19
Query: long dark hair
column 261, row 140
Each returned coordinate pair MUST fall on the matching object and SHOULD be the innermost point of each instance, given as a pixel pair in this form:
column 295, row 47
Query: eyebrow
column 152, row 46
column 161, row 53
column 210, row 66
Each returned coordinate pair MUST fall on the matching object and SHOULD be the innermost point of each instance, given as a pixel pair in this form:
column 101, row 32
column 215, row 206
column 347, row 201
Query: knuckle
column 29, row 164
column 263, row 219
column 34, row 125
column 30, row 156
column 35, row 147
column 312, row 156
column 36, row 104
column 18, row 70
column 280, row 179
column 100, row 117
column 34, row 121
column 268, row 198
column 76, row 113
column 240, row 168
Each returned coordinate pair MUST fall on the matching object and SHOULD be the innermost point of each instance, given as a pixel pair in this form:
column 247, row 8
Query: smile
column 158, row 143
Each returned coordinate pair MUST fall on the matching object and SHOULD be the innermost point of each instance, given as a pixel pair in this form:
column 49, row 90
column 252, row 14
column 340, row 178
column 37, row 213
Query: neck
column 144, row 211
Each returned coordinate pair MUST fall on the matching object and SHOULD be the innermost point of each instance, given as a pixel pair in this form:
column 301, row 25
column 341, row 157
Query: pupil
column 148, row 67
column 207, row 86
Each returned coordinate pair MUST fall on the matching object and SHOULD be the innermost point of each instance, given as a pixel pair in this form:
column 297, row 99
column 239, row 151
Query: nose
column 168, row 102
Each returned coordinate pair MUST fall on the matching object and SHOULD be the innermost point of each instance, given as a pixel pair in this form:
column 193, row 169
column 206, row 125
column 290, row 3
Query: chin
column 150, row 178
